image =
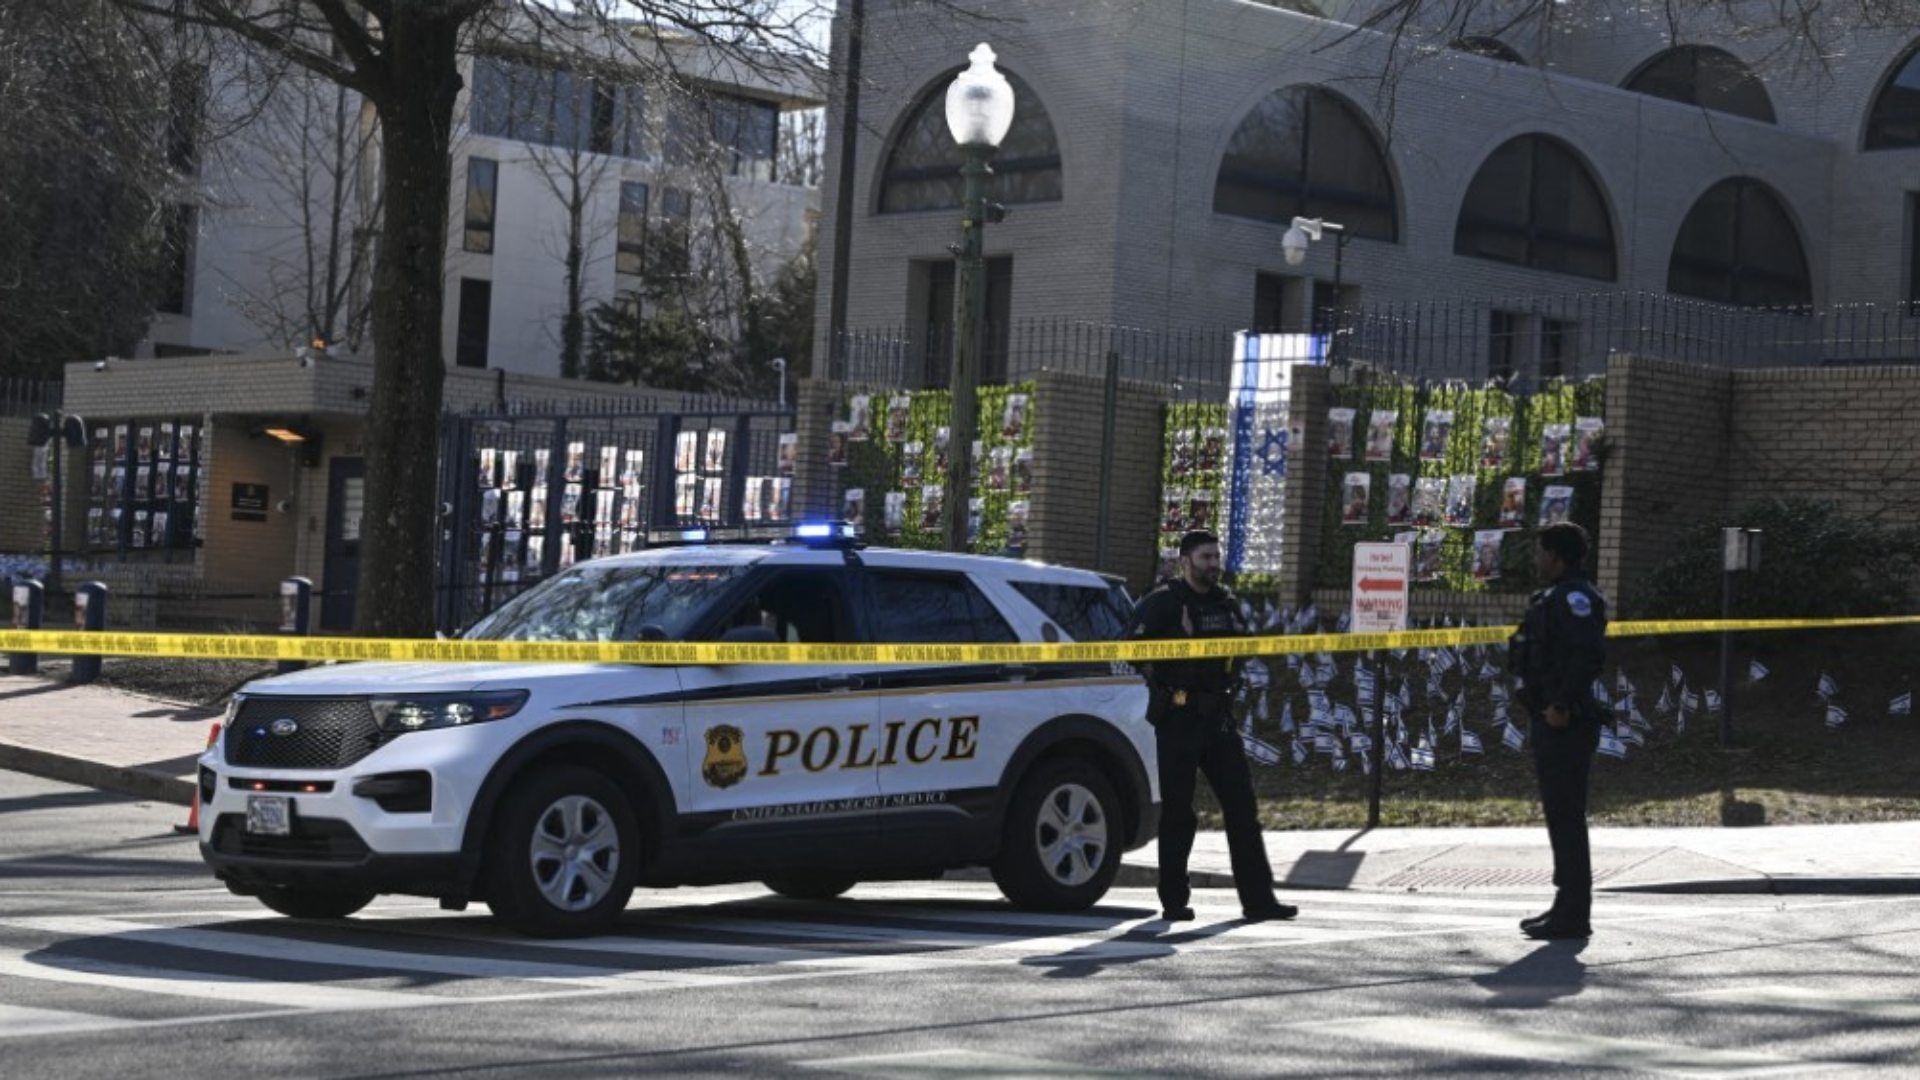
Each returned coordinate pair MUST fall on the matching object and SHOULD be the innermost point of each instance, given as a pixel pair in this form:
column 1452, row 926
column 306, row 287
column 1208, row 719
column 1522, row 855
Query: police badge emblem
column 726, row 762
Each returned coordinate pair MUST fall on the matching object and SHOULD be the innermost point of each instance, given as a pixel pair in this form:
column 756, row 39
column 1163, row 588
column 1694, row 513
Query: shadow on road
column 1538, row 979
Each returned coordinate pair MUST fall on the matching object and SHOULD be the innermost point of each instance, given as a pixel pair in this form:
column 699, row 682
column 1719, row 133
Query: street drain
column 1476, row 877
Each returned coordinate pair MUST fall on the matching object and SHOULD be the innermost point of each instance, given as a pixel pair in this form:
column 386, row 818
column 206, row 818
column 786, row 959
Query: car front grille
column 330, row 733
column 322, row 840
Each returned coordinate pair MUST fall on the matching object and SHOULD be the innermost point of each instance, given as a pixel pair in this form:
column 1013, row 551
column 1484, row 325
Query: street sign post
column 1381, row 573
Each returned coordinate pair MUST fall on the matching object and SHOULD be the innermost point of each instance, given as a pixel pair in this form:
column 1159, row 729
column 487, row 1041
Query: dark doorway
column 346, row 498
column 937, row 319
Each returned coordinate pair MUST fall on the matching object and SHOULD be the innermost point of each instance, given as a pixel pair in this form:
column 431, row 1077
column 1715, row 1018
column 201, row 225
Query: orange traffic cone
column 193, row 816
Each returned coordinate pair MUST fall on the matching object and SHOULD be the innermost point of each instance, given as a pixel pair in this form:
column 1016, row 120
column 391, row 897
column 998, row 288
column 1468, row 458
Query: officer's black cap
column 1194, row 539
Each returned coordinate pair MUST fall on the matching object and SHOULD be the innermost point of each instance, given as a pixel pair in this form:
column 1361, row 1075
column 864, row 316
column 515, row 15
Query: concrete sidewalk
column 146, row 747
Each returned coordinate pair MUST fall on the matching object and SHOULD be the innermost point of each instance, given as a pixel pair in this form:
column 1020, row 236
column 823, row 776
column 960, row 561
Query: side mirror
column 750, row 635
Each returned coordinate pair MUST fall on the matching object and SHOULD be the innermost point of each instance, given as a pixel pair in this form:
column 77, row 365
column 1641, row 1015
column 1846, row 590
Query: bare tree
column 312, row 148
column 403, row 58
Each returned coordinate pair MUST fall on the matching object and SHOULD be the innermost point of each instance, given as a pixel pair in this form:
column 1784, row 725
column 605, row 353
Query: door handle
column 839, row 682
column 1019, row 671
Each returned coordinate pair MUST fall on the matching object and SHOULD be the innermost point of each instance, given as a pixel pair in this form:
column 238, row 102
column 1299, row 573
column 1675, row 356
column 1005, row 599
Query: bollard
column 296, row 607
column 28, row 596
column 89, row 614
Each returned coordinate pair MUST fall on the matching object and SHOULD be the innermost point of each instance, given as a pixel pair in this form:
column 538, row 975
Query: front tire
column 1060, row 848
column 298, row 903
column 563, row 855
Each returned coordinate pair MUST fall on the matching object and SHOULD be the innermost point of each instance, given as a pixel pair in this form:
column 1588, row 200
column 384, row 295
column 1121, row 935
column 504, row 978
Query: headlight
column 233, row 710
column 423, row 711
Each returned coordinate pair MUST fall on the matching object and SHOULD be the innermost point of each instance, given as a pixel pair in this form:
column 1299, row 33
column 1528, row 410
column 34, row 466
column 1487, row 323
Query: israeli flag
column 1500, row 714
column 1469, row 742
column 1406, row 695
column 1902, row 705
column 1498, row 694
column 1620, row 683
column 1600, row 692
column 1340, row 764
column 1360, row 744
column 1257, row 677
column 1665, row 705
column 1713, row 701
column 1679, row 677
column 1836, row 716
column 1756, row 671
column 1512, row 738
column 1396, row 759
column 1325, row 743
column 1343, row 715
column 1286, row 718
column 1611, row 745
column 1346, row 618
column 1827, row 687
column 1263, row 752
column 1630, row 735
column 1690, row 701
column 1299, row 752
column 1422, row 758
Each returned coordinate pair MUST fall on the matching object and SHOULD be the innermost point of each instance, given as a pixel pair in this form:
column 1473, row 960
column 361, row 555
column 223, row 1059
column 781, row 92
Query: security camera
column 99, row 365
column 1294, row 245
column 284, row 505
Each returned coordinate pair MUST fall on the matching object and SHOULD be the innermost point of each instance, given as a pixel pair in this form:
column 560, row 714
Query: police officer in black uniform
column 1558, row 653
column 1189, row 709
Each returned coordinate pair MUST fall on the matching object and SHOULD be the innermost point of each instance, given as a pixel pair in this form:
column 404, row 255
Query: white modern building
column 277, row 220
column 1160, row 151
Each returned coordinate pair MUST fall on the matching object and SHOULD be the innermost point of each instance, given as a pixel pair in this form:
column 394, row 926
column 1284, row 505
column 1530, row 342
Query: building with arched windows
column 1161, row 150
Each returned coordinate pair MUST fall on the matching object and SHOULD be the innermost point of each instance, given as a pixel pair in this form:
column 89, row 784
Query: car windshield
column 609, row 603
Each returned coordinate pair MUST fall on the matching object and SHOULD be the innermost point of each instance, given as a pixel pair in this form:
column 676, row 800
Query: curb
column 120, row 779
column 1782, row 885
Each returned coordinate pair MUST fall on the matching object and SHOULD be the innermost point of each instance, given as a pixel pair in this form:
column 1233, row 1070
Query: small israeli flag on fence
column 1756, row 671
column 1469, row 742
column 1679, row 677
column 1611, row 744
column 1902, row 705
column 1827, row 687
column 1713, row 701
column 1261, row 751
column 1512, row 738
column 1836, row 716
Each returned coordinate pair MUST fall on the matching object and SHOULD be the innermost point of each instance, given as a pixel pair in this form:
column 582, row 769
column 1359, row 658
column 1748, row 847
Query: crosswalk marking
column 709, row 938
column 1568, row 1048
column 17, row 1020
column 1875, row 1006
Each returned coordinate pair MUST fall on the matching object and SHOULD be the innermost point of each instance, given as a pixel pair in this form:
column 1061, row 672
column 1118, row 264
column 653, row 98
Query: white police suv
column 551, row 790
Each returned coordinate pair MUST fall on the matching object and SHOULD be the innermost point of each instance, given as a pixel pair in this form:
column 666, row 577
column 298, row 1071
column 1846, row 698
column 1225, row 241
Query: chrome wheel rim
column 1070, row 835
column 575, row 853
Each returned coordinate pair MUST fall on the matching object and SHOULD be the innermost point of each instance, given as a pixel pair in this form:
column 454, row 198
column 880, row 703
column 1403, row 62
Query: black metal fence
column 1534, row 338
column 24, row 397
column 532, row 489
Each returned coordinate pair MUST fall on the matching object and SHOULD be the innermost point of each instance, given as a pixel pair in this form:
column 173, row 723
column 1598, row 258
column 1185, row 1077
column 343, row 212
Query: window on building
column 1913, row 253
column 1305, row 151
column 673, row 239
column 745, row 134
column 475, row 321
column 1707, row 77
column 600, row 131
column 913, row 608
column 630, row 252
column 177, row 244
column 1270, row 302
column 550, row 107
column 1738, row 245
column 186, row 113
column 1503, row 344
column 483, row 181
column 934, row 287
column 923, row 164
column 1895, row 120
column 1557, row 340
column 1534, row 204
column 1490, row 47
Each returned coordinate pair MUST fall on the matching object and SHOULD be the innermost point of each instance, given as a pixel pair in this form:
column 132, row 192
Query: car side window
column 915, row 609
column 800, row 606
column 1086, row 612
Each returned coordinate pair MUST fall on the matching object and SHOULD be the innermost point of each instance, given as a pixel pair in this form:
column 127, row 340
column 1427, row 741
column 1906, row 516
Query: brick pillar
column 1666, row 465
column 1070, row 424
column 1311, row 396
column 816, row 485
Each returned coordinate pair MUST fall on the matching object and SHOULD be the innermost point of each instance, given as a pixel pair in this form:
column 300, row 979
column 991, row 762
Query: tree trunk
column 573, row 323
column 396, row 594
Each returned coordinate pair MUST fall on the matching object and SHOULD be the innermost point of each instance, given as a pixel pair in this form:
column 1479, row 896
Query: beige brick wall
column 1306, row 481
column 1844, row 434
column 1072, row 427
column 21, row 526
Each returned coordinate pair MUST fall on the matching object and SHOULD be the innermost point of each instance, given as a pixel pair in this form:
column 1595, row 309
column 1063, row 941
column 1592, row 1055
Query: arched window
column 1705, row 76
column 1739, row 246
column 1305, row 151
column 1490, row 47
column 1533, row 203
column 923, row 166
column 1895, row 120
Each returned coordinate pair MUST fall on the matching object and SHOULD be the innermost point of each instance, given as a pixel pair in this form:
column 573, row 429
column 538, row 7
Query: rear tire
column 301, row 903
column 563, row 854
column 1060, row 848
column 810, row 886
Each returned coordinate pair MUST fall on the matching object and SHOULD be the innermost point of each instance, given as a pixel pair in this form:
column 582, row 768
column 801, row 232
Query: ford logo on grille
column 286, row 725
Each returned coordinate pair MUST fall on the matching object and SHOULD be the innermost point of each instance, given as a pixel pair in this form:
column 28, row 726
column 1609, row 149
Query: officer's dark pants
column 1564, row 759
column 1189, row 745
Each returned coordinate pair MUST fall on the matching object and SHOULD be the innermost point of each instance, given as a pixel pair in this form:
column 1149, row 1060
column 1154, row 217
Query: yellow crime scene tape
column 314, row 649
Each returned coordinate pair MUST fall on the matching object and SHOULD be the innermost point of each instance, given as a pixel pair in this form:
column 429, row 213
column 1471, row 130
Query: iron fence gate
column 526, row 494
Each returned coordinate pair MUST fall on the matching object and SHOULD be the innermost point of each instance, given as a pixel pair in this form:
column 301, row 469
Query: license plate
column 269, row 815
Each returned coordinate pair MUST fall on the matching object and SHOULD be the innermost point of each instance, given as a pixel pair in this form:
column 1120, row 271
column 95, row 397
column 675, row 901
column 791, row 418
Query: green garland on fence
column 1559, row 403
column 879, row 466
column 1191, row 422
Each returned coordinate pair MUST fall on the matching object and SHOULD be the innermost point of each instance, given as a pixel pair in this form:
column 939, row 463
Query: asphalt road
column 119, row 957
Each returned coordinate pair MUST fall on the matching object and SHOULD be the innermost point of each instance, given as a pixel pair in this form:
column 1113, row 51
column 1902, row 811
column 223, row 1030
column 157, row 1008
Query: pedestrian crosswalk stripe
column 18, row 1020
column 47, row 966
column 1873, row 1006
column 1565, row 1048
